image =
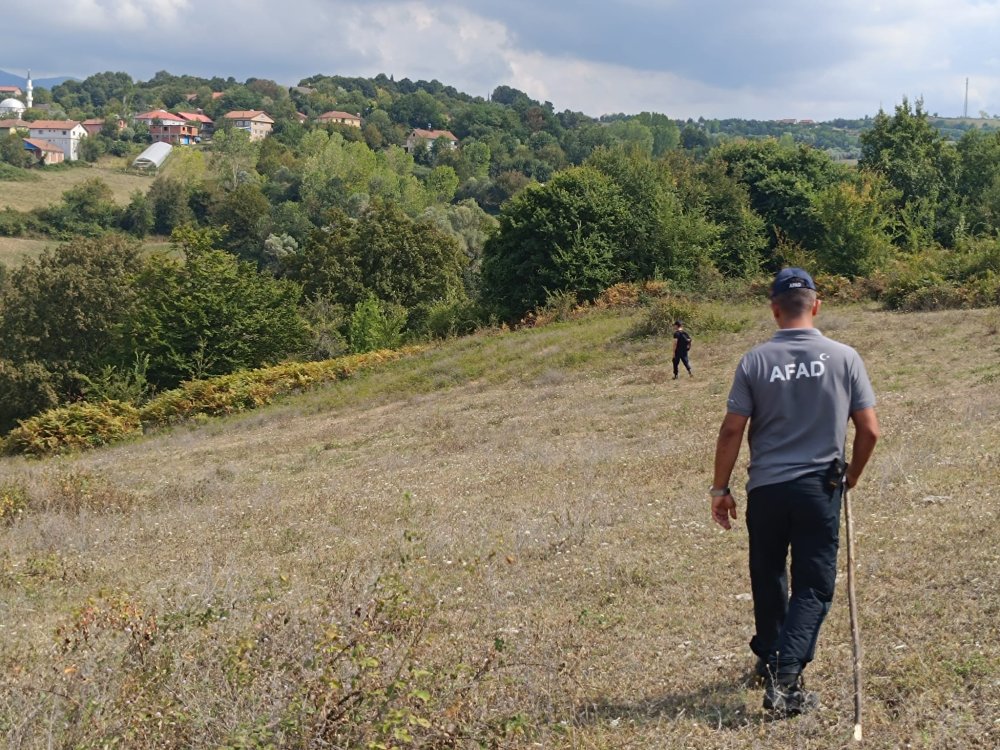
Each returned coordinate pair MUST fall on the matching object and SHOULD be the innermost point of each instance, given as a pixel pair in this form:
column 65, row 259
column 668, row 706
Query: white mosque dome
column 11, row 105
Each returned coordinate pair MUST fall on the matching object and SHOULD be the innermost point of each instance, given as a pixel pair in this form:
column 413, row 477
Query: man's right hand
column 724, row 508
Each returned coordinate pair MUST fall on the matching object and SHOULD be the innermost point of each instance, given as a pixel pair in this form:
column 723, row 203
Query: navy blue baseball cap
column 791, row 278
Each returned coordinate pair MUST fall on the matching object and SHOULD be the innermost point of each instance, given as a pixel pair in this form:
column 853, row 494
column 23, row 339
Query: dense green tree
column 856, row 226
column 442, row 182
column 563, row 236
column 979, row 181
column 234, row 157
column 246, row 216
column 383, row 252
column 67, row 309
column 12, row 150
column 783, row 182
column 916, row 160
column 168, row 198
column 137, row 217
column 212, row 314
column 743, row 237
column 661, row 238
column 470, row 226
column 91, row 201
column 26, row 389
column 418, row 110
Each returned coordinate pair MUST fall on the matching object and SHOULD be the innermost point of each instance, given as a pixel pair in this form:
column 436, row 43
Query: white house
column 66, row 134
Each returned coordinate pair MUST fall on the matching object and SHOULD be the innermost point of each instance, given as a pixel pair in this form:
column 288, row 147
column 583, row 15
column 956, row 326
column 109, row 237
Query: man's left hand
column 724, row 508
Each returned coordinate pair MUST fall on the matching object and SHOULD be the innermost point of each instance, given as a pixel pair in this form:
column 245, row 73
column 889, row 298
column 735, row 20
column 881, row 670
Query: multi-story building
column 66, row 134
column 166, row 127
column 257, row 123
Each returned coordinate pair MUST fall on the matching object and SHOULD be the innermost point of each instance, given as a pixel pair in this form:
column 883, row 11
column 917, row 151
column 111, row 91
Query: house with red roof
column 205, row 123
column 12, row 126
column 429, row 138
column 166, row 127
column 339, row 118
column 95, row 125
column 43, row 151
column 256, row 122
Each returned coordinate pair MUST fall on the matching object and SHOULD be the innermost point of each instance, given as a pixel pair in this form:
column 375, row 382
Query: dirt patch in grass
column 540, row 497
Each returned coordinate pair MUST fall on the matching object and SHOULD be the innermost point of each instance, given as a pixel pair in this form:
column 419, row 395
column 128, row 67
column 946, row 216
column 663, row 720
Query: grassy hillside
column 15, row 250
column 52, row 183
column 504, row 540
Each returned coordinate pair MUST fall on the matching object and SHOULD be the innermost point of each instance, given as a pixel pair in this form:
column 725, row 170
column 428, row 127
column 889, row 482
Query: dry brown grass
column 24, row 196
column 15, row 250
column 541, row 497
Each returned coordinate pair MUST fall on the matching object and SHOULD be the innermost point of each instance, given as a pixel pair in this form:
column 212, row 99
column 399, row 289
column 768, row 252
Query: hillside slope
column 511, row 534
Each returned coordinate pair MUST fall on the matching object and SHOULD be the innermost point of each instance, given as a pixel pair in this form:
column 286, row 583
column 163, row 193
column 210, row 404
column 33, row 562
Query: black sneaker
column 785, row 698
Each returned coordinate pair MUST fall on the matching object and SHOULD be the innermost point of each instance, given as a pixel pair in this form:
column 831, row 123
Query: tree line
column 312, row 246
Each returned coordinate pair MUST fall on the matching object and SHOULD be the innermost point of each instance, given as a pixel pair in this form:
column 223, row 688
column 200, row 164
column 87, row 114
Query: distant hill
column 9, row 79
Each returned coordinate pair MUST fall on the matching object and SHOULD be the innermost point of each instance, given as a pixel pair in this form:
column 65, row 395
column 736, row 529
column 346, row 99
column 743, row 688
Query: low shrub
column 453, row 316
column 74, row 427
column 373, row 673
column 10, row 173
column 86, row 425
column 250, row 389
column 631, row 294
column 78, row 490
column 559, row 306
column 699, row 318
column 13, row 502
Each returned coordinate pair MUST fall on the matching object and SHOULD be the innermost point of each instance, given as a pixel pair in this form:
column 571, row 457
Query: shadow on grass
column 720, row 704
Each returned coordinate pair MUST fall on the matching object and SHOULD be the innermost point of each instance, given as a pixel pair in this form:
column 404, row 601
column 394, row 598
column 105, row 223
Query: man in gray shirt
column 797, row 391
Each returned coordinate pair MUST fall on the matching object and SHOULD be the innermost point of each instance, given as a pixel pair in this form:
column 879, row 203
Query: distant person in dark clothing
column 682, row 345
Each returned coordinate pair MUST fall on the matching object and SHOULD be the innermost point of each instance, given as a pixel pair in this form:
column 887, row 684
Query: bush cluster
column 77, row 426
column 699, row 318
column 88, row 425
column 13, row 502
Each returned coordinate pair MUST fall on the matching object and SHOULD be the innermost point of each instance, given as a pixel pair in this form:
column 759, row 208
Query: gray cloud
column 769, row 58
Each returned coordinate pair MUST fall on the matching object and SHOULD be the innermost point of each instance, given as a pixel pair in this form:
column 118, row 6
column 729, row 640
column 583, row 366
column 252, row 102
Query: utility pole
column 965, row 112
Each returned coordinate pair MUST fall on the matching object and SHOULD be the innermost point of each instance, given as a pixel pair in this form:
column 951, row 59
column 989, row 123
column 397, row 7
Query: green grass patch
column 10, row 173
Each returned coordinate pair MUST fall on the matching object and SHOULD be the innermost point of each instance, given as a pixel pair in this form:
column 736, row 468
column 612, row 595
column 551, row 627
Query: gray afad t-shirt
column 799, row 389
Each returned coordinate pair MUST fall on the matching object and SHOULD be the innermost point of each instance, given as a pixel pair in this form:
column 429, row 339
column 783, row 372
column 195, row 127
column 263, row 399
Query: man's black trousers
column 802, row 515
column 681, row 357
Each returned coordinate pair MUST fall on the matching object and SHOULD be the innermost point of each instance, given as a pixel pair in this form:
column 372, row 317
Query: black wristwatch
column 718, row 493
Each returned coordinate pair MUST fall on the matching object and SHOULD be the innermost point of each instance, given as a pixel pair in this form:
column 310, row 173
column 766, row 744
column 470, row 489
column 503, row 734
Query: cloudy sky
column 766, row 59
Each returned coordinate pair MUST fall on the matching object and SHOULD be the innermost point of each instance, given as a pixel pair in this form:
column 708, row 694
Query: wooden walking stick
column 853, row 607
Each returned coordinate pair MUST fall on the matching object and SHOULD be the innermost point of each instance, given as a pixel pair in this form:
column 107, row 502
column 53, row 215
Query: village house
column 428, row 138
column 43, row 151
column 206, row 123
column 257, row 123
column 340, row 118
column 166, row 127
column 95, row 125
column 14, row 91
column 13, row 126
column 66, row 134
